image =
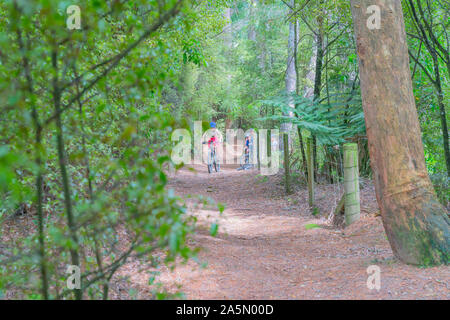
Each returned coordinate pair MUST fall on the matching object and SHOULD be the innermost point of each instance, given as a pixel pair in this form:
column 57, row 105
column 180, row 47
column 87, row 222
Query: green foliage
column 315, row 211
column 311, row 226
column 430, row 66
column 331, row 123
column 193, row 53
column 103, row 158
column 86, row 118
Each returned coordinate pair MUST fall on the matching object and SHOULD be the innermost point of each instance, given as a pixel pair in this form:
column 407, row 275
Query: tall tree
column 251, row 17
column 297, row 91
column 416, row 224
column 228, row 39
column 291, row 74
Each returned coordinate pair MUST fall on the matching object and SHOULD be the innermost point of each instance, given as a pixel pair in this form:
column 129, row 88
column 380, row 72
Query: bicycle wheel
column 214, row 160
column 210, row 161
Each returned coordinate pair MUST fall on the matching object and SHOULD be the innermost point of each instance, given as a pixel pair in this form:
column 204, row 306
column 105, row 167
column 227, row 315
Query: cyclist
column 247, row 149
column 214, row 139
column 246, row 155
column 212, row 148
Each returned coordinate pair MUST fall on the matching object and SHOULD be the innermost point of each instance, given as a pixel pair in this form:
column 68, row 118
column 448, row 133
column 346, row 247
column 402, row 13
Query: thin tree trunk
column 286, row 163
column 39, row 179
column 297, row 89
column 98, row 255
column 228, row 33
column 327, row 149
column 416, row 224
column 291, row 77
column 251, row 26
column 263, row 55
column 445, row 138
column 228, row 41
column 428, row 25
column 318, row 78
column 442, row 115
column 63, row 168
column 433, row 46
column 318, row 84
column 311, row 75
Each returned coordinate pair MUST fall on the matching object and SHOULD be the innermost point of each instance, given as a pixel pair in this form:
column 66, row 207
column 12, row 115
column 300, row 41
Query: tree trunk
column 39, row 179
column 286, row 163
column 263, row 55
column 310, row 76
column 228, row 41
column 443, row 117
column 416, row 225
column 442, row 113
column 297, row 91
column 291, row 76
column 318, row 82
column 310, row 173
column 251, row 25
column 228, row 33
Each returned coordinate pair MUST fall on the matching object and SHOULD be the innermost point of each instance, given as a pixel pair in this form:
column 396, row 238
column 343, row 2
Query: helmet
column 212, row 124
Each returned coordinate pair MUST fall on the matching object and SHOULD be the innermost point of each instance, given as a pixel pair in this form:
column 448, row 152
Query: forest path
column 263, row 250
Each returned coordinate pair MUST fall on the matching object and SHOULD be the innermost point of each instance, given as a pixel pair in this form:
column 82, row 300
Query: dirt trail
column 264, row 251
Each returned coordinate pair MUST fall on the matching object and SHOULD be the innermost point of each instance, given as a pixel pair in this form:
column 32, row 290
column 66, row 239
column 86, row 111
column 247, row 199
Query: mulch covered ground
column 269, row 246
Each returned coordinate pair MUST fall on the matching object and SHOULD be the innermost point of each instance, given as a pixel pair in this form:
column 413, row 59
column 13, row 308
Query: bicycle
column 212, row 159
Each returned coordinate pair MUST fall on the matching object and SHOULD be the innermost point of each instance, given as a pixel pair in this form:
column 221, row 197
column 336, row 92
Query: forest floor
column 265, row 249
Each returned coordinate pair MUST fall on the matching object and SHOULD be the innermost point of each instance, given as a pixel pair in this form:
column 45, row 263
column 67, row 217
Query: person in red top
column 212, row 141
column 212, row 144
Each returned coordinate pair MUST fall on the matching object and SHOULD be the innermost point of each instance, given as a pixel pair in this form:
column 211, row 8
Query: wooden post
column 351, row 183
column 310, row 164
column 258, row 136
column 286, row 162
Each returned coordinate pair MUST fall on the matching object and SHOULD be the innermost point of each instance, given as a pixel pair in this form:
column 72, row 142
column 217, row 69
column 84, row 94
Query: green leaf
column 312, row 226
column 214, row 229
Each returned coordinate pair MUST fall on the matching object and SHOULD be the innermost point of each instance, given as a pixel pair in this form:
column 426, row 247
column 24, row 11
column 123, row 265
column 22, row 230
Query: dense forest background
column 86, row 116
